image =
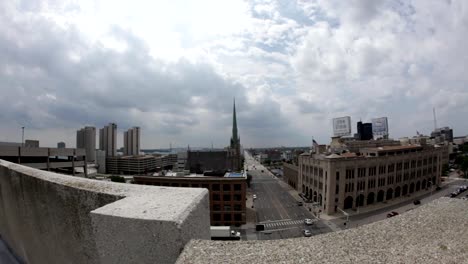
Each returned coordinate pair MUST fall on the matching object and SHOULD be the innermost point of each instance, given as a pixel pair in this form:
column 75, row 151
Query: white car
column 307, row 233
column 254, row 196
column 308, row 221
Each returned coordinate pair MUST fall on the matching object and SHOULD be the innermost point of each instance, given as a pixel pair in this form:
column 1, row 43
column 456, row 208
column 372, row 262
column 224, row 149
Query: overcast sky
column 173, row 68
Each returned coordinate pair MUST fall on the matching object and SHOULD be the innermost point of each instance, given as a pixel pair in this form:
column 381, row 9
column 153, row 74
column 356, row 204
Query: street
column 276, row 208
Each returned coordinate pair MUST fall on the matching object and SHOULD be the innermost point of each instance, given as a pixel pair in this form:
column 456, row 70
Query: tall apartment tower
column 108, row 139
column 86, row 138
column 132, row 141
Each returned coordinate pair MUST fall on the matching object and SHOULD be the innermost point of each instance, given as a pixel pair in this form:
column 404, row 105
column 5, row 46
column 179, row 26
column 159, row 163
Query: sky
column 174, row 67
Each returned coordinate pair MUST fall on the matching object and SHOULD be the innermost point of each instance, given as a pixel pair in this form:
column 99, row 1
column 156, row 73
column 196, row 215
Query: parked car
column 392, row 214
column 300, row 203
column 438, row 188
column 308, row 221
column 307, row 233
column 254, row 196
column 416, row 202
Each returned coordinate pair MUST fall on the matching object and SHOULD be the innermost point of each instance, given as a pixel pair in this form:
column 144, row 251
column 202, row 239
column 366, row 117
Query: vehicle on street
column 392, row 214
column 438, row 188
column 307, row 233
column 308, row 221
column 224, row 233
column 416, row 202
column 300, row 203
column 254, row 196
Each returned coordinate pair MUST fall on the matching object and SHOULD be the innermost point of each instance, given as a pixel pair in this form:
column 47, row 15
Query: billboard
column 342, row 126
column 380, row 126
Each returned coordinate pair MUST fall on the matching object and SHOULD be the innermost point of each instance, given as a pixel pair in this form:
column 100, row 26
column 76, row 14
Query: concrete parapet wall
column 433, row 233
column 52, row 218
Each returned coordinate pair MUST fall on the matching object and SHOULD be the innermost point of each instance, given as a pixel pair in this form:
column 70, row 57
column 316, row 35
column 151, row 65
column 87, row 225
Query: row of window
column 361, row 172
column 227, row 217
column 214, row 187
column 227, row 208
column 312, row 170
column 226, row 197
column 361, row 185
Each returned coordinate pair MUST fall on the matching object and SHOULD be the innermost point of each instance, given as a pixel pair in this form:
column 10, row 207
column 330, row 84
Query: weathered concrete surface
column 433, row 233
column 51, row 218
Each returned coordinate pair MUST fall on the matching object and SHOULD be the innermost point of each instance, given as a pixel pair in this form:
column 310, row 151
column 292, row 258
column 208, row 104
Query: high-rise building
column 86, row 138
column 61, row 145
column 108, row 139
column 364, row 131
column 132, row 141
column 443, row 134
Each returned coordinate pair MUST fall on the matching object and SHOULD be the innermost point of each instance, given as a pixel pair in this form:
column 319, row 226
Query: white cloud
column 175, row 66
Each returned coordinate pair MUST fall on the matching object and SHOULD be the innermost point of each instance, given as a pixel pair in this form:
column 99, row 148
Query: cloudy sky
column 173, row 67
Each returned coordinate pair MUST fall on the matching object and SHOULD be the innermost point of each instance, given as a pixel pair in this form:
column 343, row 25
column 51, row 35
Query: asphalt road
column 276, row 208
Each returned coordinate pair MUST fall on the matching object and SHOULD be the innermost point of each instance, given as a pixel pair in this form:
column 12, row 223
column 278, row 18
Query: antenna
column 435, row 118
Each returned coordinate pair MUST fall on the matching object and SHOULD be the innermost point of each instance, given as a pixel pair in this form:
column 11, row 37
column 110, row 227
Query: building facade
column 132, row 141
column 108, row 139
column 61, row 145
column 290, row 174
column 227, row 195
column 86, row 138
column 374, row 175
column 63, row 160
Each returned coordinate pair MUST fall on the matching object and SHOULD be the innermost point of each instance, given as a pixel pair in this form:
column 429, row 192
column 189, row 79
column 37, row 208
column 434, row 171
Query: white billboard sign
column 380, row 126
column 342, row 126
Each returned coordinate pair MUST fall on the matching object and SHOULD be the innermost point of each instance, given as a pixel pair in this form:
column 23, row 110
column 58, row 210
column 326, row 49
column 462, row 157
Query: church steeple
column 235, row 137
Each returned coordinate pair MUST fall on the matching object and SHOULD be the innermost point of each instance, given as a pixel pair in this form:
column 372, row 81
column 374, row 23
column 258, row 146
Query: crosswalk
column 283, row 223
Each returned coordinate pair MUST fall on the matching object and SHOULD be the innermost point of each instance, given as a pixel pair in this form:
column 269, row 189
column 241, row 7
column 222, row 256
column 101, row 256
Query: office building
column 108, row 139
column 442, row 134
column 227, row 194
column 61, row 145
column 364, row 131
column 86, row 139
column 373, row 175
column 132, row 141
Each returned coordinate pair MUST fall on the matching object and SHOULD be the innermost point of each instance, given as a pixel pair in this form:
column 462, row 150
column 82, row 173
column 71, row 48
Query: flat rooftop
column 394, row 148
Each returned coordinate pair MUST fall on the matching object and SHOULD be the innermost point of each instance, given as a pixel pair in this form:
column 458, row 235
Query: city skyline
column 292, row 67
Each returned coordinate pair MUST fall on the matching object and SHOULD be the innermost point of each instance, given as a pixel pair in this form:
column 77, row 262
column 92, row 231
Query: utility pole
column 22, row 137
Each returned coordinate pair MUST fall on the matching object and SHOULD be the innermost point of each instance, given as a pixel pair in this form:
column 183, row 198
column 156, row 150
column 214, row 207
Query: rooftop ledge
column 433, row 233
column 51, row 218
